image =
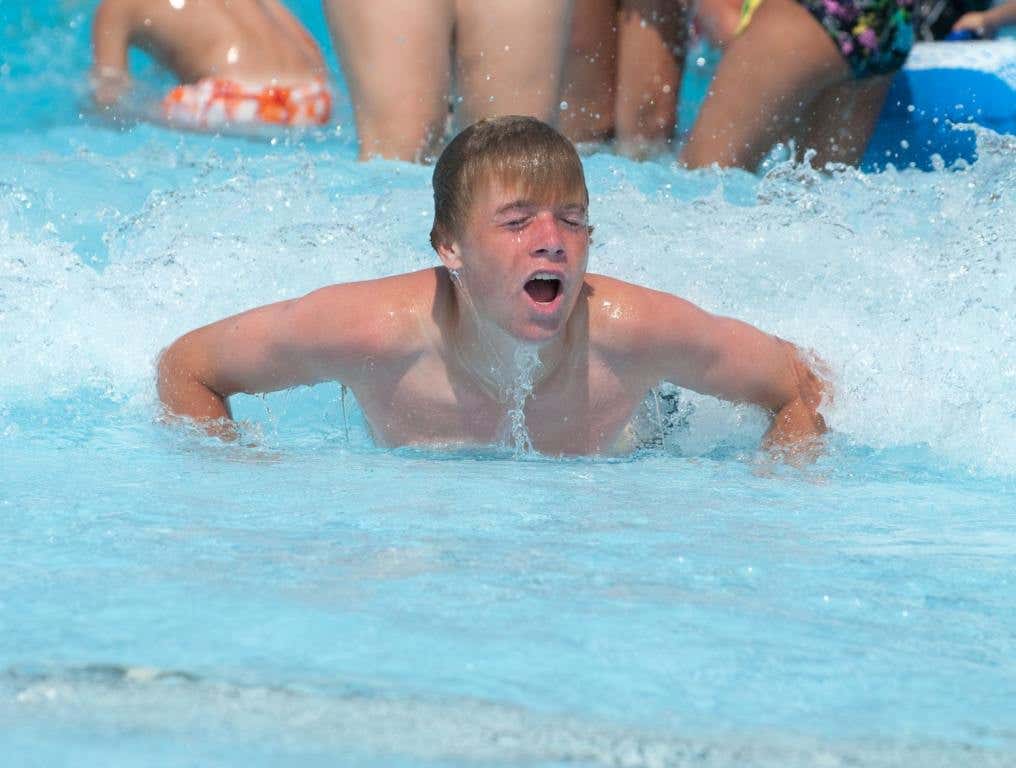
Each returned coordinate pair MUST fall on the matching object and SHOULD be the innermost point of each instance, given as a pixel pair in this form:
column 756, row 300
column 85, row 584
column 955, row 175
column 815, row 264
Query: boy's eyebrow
column 515, row 204
column 521, row 203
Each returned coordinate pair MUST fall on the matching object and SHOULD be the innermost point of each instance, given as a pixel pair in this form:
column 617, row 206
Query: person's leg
column 842, row 120
column 510, row 54
column 718, row 20
column 589, row 71
column 650, row 56
column 395, row 56
column 763, row 86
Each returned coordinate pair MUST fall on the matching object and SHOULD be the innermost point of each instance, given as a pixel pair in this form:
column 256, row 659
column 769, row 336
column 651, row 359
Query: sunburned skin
column 247, row 41
column 430, row 355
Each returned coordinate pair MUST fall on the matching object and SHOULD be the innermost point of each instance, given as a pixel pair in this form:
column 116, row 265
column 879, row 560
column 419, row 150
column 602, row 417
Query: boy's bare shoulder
column 626, row 317
column 387, row 316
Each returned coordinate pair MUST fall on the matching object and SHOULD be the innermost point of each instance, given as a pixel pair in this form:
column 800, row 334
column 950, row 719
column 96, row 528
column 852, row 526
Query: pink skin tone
column 428, row 355
column 401, row 59
column 252, row 41
column 497, row 257
column 622, row 73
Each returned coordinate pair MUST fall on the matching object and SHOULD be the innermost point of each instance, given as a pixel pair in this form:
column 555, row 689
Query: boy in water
column 239, row 61
column 436, row 357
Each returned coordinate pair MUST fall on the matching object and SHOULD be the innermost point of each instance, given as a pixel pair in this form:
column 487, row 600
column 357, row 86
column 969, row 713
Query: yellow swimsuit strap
column 748, row 9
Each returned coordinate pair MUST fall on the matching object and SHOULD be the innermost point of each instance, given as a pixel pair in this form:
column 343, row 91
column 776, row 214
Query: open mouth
column 543, row 288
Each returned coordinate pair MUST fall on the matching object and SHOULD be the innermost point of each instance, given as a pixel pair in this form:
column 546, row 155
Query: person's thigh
column 589, row 70
column 842, row 120
column 764, row 86
column 395, row 55
column 650, row 58
column 510, row 54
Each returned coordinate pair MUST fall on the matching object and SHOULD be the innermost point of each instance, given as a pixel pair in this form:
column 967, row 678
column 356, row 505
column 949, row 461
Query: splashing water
column 526, row 364
column 519, row 387
column 315, row 597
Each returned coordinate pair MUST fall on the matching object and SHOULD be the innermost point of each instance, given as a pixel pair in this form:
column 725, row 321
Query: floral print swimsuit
column 874, row 36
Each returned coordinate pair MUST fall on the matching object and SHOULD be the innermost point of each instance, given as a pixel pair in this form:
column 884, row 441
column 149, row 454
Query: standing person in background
column 987, row 23
column 400, row 58
column 623, row 73
column 815, row 71
column 239, row 61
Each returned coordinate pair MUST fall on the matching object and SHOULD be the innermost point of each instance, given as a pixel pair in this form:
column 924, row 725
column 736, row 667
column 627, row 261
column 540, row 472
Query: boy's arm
column 735, row 361
column 111, row 30
column 303, row 341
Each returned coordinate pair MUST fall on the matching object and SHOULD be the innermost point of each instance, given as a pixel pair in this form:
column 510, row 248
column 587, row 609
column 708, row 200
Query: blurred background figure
column 623, row 73
column 936, row 18
column 985, row 23
column 812, row 71
column 239, row 61
column 401, row 58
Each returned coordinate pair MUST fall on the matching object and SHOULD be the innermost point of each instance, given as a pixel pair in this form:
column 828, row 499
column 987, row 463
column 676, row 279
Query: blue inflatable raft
column 944, row 84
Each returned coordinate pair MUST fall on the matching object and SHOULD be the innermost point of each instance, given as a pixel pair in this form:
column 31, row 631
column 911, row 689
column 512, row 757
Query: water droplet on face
column 178, row 4
column 563, row 105
column 233, row 54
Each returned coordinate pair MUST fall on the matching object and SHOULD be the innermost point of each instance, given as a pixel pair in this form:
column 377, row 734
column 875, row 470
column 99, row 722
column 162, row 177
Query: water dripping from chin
column 527, row 363
column 513, row 433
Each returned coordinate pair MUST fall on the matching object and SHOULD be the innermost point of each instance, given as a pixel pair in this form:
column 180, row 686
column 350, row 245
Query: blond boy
column 435, row 357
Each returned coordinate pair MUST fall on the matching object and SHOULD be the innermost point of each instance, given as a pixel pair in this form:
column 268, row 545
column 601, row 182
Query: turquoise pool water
column 309, row 599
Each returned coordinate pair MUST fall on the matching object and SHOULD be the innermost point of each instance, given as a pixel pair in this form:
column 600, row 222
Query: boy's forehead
column 497, row 191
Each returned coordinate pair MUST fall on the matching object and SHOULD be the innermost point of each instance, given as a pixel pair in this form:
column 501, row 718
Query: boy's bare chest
column 585, row 411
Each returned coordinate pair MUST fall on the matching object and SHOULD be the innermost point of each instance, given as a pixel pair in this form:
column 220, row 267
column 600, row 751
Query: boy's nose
column 548, row 241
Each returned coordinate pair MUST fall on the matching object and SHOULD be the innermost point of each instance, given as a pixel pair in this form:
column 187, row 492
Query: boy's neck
column 496, row 359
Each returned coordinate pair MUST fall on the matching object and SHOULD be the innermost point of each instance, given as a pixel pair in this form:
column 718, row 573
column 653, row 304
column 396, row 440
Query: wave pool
column 306, row 598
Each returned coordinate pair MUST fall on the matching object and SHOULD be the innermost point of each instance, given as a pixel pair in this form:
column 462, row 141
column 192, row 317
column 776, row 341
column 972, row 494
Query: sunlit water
column 310, row 599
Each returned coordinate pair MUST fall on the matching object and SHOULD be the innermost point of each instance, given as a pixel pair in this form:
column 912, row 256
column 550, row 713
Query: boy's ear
column 448, row 252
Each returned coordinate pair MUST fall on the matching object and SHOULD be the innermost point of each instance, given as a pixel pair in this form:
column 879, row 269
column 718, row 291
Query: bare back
column 244, row 40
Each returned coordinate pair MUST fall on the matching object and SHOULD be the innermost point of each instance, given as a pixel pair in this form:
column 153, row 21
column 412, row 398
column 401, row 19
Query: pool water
column 306, row 598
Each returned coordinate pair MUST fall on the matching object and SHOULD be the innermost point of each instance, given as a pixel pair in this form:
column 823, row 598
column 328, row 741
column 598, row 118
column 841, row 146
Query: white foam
column 175, row 705
column 994, row 57
column 901, row 281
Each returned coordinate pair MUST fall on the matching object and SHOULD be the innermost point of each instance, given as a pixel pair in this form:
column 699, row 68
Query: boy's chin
column 539, row 331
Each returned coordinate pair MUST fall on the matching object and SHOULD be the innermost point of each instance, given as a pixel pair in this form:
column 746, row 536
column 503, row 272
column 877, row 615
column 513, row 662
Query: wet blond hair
column 518, row 152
